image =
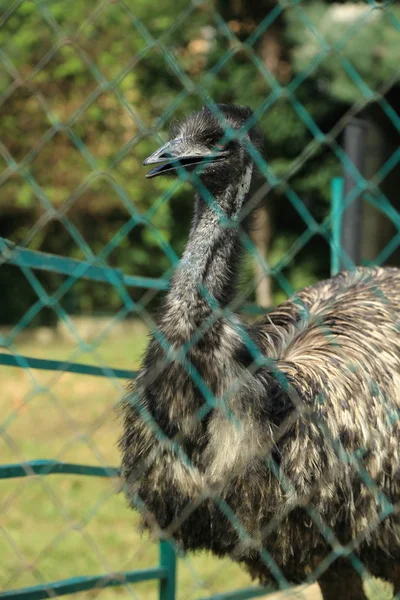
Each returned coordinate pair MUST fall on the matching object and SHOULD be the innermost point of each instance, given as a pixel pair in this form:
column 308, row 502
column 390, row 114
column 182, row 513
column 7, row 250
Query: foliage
column 101, row 81
column 341, row 34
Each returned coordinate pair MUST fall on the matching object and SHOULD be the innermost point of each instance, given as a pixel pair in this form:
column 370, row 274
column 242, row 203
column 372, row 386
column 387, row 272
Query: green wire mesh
column 183, row 54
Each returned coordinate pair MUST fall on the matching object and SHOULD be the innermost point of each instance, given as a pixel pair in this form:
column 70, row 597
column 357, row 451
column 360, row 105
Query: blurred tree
column 243, row 17
column 85, row 87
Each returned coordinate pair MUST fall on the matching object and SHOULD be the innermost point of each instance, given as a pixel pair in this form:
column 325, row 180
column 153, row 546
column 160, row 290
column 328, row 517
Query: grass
column 63, row 526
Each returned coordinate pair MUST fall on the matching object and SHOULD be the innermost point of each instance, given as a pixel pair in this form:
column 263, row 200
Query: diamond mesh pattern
column 194, row 46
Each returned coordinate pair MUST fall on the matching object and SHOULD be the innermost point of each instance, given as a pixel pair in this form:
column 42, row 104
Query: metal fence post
column 355, row 137
column 168, row 560
column 336, row 223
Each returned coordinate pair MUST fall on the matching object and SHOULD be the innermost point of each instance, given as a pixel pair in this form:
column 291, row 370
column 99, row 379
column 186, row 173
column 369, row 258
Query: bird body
column 275, row 443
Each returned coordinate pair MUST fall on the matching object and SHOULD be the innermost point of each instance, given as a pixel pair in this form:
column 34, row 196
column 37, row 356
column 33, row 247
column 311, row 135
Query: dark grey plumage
column 316, row 426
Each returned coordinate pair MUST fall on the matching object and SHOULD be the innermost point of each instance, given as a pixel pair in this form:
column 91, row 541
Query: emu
column 289, row 463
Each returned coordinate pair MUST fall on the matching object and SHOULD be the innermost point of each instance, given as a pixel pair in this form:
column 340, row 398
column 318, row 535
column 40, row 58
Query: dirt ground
column 310, row 592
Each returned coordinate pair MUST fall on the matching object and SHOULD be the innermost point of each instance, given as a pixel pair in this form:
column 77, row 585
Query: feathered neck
column 207, row 273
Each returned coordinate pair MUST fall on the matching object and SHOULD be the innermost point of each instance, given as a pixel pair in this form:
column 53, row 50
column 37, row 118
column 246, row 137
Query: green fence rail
column 165, row 573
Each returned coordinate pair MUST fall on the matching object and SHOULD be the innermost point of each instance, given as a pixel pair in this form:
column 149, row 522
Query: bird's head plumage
column 212, row 142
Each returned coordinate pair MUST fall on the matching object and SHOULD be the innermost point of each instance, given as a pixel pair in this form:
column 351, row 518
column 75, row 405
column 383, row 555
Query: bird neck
column 206, row 275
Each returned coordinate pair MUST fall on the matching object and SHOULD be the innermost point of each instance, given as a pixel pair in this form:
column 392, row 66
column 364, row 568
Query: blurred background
column 87, row 91
column 117, row 73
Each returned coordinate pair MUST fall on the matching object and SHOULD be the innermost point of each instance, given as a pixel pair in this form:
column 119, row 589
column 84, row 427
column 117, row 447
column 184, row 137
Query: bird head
column 204, row 142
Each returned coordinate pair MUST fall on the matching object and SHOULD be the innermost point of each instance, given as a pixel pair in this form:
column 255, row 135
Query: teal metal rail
column 337, row 211
column 50, row 467
column 81, row 584
column 79, row 269
column 11, row 360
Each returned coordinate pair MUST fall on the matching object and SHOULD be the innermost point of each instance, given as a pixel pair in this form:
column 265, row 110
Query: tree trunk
column 270, row 50
column 246, row 16
column 261, row 239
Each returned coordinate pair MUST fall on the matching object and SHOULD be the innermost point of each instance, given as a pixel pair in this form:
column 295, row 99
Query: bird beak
column 176, row 154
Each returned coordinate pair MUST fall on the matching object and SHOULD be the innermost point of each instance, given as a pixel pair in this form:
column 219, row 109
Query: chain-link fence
column 89, row 248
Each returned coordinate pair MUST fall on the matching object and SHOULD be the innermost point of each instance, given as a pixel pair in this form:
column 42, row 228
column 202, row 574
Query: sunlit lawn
column 62, row 526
